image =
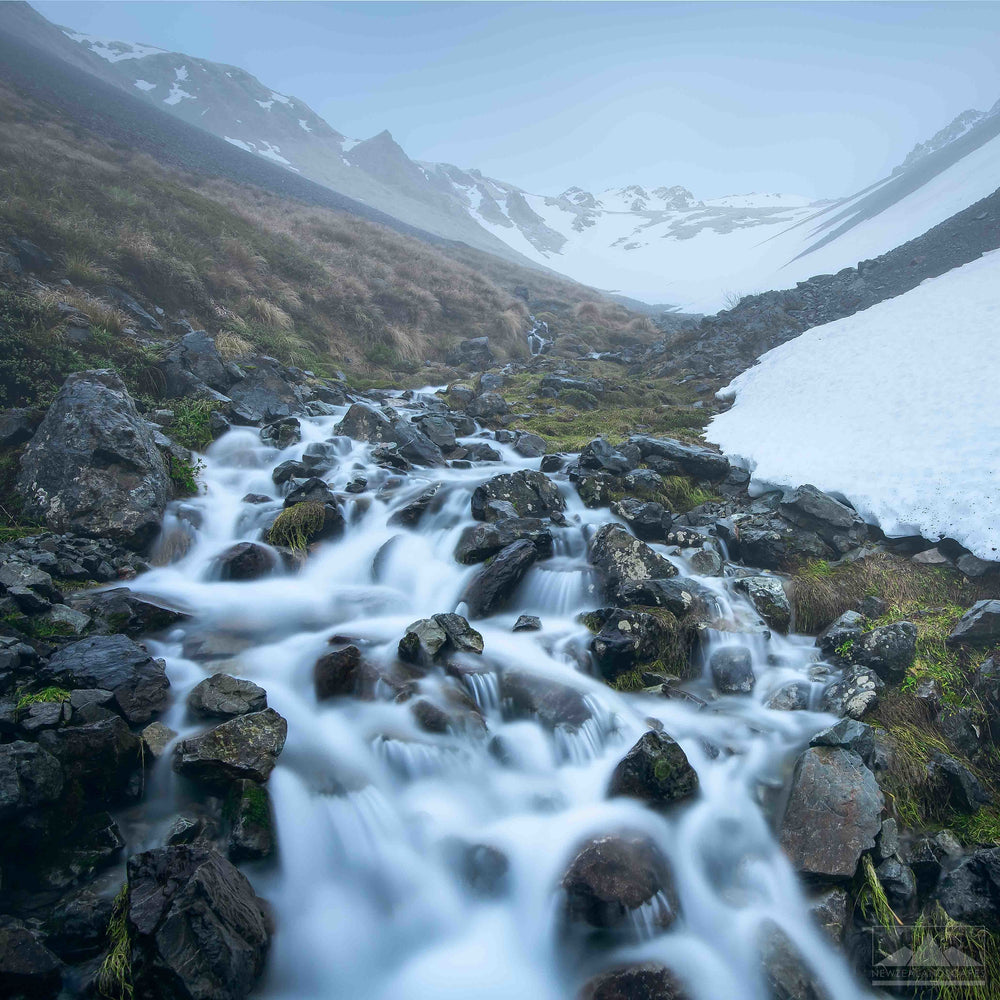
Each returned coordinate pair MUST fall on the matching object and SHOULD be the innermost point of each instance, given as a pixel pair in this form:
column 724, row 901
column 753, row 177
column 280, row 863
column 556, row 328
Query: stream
column 370, row 897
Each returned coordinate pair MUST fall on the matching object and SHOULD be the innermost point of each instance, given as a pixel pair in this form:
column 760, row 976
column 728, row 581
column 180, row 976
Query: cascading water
column 374, row 893
column 539, row 340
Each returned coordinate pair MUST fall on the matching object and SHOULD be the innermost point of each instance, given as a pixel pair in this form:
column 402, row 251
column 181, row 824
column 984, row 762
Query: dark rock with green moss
column 531, row 494
column 223, row 696
column 245, row 747
column 251, row 834
column 641, row 981
column 620, row 557
column 769, row 599
column 492, row 586
column 655, row 771
column 479, row 542
column 122, row 611
column 197, row 930
column 628, row 638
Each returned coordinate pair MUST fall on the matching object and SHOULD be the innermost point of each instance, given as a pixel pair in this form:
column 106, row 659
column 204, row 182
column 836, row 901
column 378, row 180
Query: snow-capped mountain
column 655, row 243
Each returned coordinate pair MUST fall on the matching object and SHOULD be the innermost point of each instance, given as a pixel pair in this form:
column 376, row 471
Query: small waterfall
column 539, row 340
column 373, row 806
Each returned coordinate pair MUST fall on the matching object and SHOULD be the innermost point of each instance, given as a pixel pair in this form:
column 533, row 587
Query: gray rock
column 223, row 696
column 493, row 585
column 266, row 394
column 647, row 519
column 479, row 542
column 488, row 406
column 900, row 885
column 626, row 639
column 678, row 595
column 888, row 650
column 619, row 557
column 786, row 973
column 847, row 629
column 462, row 637
column 103, row 756
column 409, row 515
column 198, row 931
column 27, row 968
column 701, row 463
column 474, row 353
column 244, row 747
column 112, row 663
column 439, row 430
column 640, row 981
column 282, row 433
column 16, row 427
column 554, row 704
column 833, row 813
column 732, row 669
column 422, row 641
column 30, row 778
column 156, row 737
column 837, row 524
column 964, row 789
column 337, row 673
column 769, row 599
column 530, row 445
column 93, row 467
column 532, row 494
column 854, row 695
column 706, row 562
column 655, row 771
column 970, row 893
column 974, row 567
column 979, row 626
column 830, row 911
column 600, row 456
column 850, row 735
column 246, row 561
column 527, row 623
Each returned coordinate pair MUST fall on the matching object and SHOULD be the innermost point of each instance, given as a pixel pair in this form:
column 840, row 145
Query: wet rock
column 678, row 595
column 551, row 463
column 848, row 734
column 422, row 641
column 979, row 626
column 27, row 968
column 282, row 433
column 218, row 424
column 595, row 489
column 479, row 542
column 288, row 470
column 602, row 457
column 313, row 490
column 854, row 695
column 102, row 757
column 833, row 813
column 244, row 747
column 629, row 638
column 112, row 663
column 439, row 430
column 122, row 611
column 970, row 893
column 642, row 981
column 223, row 696
column 837, row 524
column 701, row 463
column 489, row 406
column 705, row 562
column 93, row 466
column 409, row 515
column 531, row 494
column 553, row 703
column 647, row 519
column 732, row 669
column 364, row 423
column 887, row 842
column 251, row 834
column 156, row 737
column 845, row 631
column 246, row 561
column 76, row 929
column 964, row 789
column 265, row 395
column 30, row 778
column 474, row 354
column 493, row 585
column 31, row 588
column 619, row 557
column 527, row 623
column 530, row 445
column 900, row 885
column 768, row 597
column 462, row 637
column 792, row 697
column 960, row 727
column 785, row 971
column 480, row 451
column 830, row 911
column 93, row 845
column 974, row 567
column 888, row 650
column 337, row 673
column 614, row 875
column 414, row 445
column 656, row 771
column 198, row 931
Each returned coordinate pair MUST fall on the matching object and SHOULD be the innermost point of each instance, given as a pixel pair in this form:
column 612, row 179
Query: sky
column 818, row 99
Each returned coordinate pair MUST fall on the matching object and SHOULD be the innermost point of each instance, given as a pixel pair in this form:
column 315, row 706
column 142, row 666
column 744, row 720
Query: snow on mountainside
column 657, row 244
column 912, row 436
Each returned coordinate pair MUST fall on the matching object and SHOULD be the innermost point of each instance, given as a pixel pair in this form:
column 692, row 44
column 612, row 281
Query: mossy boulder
column 656, row 771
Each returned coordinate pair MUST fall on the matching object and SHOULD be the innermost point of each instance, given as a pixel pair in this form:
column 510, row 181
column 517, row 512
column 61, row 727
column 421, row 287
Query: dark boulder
column 600, row 456
column 244, row 747
column 769, row 600
column 647, row 519
column 489, row 406
column 414, row 445
column 678, row 595
column 530, row 445
column 701, row 463
column 17, row 427
column 855, row 694
column 842, row 634
column 493, row 585
column 121, row 610
column 112, row 663
column 282, row 433
column 479, row 542
column 979, row 626
column 612, row 876
column 620, row 557
column 223, row 696
column 246, row 561
column 787, row 975
column 527, row 623
column 553, row 703
column 835, row 523
column 833, row 813
column 409, row 515
column 656, row 771
column 474, row 353
column 266, row 394
column 337, row 673
column 30, row 778
column 531, row 494
column 962, row 786
column 642, row 981
column 732, row 669
column 198, row 931
column 27, row 968
column 422, row 642
column 439, row 429
column 93, row 467
column 251, row 833
column 848, row 734
column 629, row 638
column 102, row 757
column 970, row 893
column 888, row 650
column 462, row 637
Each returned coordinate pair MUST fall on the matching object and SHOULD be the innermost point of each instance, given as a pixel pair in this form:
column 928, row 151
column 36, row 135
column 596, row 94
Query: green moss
column 48, row 694
column 255, row 805
column 189, row 426
column 296, row 526
column 631, row 680
column 184, row 475
column 982, row 827
column 114, row 979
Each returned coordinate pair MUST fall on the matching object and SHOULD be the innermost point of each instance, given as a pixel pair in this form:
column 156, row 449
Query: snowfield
column 894, row 408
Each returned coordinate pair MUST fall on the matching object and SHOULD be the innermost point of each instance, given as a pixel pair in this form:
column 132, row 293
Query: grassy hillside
column 310, row 285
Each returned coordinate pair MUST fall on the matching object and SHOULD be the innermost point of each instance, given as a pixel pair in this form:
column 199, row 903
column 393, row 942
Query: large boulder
column 610, row 877
column 223, row 696
column 266, row 394
column 620, row 557
column 970, row 893
column 493, row 585
column 101, row 757
column 628, row 638
column 888, row 650
column 120, row 610
column 732, row 669
column 833, row 813
column 244, row 747
column 112, row 663
column 979, row 626
column 93, row 467
column 648, row 520
column 479, row 542
column 474, row 353
column 656, row 771
column 769, row 600
column 837, row 524
column 30, row 778
column 642, row 981
column 198, row 930
column 530, row 494
column 690, row 460
column 554, row 704
column 27, row 968
column 600, row 456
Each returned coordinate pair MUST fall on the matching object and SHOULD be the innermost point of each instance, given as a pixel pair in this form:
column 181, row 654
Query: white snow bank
column 895, row 408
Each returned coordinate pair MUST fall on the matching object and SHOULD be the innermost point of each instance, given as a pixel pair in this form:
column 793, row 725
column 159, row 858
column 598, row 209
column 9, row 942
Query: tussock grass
column 296, row 526
column 114, row 979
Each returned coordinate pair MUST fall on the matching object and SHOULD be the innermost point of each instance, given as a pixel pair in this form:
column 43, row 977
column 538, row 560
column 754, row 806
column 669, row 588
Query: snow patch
column 240, row 143
column 266, row 105
column 304, row 125
column 272, row 152
column 177, row 94
column 894, row 407
column 144, row 85
column 280, row 98
column 111, row 50
column 348, row 144
column 181, row 74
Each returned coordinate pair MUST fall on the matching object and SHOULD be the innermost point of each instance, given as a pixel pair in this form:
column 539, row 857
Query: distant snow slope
column 894, row 407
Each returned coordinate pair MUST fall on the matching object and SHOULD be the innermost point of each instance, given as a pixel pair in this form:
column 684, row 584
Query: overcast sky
column 818, row 99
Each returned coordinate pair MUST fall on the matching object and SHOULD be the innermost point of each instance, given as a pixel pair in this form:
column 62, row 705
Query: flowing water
column 369, row 899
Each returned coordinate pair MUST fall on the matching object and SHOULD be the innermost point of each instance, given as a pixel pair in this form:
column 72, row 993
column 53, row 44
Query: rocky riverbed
column 403, row 704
